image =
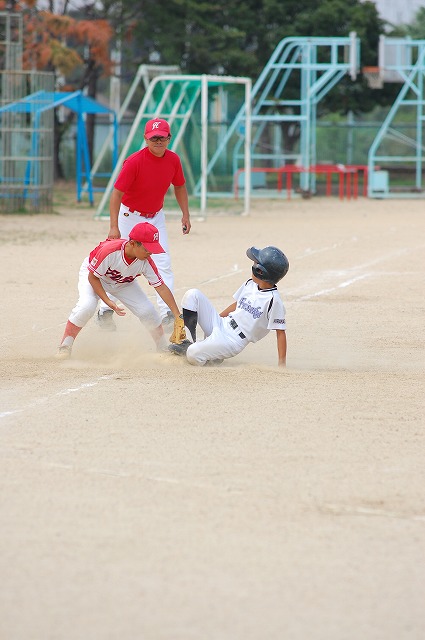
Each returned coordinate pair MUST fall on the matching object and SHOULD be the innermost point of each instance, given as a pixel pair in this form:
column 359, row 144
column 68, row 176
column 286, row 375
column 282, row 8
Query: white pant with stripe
column 220, row 339
column 131, row 296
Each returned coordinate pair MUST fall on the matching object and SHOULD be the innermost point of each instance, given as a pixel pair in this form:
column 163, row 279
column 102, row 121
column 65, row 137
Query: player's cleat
column 168, row 321
column 105, row 320
column 180, row 349
column 63, row 353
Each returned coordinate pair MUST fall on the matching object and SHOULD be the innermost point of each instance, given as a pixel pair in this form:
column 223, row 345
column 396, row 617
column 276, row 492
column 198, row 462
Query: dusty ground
column 142, row 498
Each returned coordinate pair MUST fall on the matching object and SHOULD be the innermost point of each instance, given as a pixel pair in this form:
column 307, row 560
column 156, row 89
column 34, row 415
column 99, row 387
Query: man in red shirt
column 138, row 196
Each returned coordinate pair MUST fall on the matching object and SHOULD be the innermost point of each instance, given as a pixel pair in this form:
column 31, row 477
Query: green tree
column 416, row 29
column 237, row 37
column 232, row 37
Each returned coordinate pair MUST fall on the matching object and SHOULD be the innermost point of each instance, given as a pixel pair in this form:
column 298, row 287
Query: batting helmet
column 271, row 263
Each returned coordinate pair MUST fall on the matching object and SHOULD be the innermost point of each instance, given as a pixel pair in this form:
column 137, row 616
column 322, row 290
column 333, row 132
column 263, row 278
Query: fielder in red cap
column 138, row 195
column 110, row 273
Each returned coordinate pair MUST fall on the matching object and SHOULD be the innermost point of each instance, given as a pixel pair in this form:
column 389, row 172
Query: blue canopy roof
column 44, row 100
column 41, row 101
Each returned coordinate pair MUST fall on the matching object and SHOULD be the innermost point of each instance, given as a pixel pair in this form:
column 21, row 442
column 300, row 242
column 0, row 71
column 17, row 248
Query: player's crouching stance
column 258, row 308
column 112, row 267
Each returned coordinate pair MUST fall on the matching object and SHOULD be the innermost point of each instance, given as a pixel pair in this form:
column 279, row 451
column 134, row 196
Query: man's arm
column 229, row 309
column 114, row 209
column 183, row 201
column 281, row 347
column 168, row 298
column 100, row 291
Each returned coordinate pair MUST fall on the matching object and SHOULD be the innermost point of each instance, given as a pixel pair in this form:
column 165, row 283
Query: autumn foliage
column 62, row 43
column 54, row 42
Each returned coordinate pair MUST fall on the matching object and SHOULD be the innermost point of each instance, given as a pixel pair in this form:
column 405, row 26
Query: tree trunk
column 58, row 173
column 91, row 117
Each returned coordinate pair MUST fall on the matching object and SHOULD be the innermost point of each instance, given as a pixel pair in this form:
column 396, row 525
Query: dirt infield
column 142, row 498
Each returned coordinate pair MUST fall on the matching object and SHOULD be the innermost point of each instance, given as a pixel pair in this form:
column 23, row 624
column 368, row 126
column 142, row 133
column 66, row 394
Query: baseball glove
column 179, row 333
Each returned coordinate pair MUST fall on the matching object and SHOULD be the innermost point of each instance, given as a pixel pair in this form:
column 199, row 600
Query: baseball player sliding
column 258, row 308
column 112, row 267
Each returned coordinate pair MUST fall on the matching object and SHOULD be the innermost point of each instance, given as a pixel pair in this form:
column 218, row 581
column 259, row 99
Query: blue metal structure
column 36, row 104
column 300, row 72
column 400, row 60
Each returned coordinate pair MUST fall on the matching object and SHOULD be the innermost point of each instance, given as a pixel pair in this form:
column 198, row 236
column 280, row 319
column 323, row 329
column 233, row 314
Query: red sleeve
column 151, row 274
column 128, row 174
column 179, row 179
column 102, row 251
column 154, row 278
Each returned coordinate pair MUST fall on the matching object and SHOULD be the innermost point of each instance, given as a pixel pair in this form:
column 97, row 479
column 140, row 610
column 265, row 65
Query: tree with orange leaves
column 62, row 43
column 75, row 50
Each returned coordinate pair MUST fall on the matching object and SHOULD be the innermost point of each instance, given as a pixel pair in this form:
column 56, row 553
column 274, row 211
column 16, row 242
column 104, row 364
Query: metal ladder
column 308, row 66
column 400, row 60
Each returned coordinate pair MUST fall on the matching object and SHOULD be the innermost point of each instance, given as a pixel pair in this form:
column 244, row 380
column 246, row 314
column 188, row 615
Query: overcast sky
column 395, row 11
column 398, row 11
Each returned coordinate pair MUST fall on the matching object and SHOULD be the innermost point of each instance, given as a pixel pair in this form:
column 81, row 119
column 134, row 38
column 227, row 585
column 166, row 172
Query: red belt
column 144, row 214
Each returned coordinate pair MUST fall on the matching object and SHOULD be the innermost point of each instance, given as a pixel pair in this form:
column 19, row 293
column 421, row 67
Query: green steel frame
column 174, row 97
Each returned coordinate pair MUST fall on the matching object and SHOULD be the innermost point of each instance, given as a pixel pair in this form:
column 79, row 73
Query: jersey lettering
column 246, row 306
column 117, row 277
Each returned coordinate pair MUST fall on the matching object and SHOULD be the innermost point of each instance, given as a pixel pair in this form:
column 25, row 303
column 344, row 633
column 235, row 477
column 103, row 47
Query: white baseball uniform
column 118, row 276
column 257, row 312
column 144, row 180
column 126, row 221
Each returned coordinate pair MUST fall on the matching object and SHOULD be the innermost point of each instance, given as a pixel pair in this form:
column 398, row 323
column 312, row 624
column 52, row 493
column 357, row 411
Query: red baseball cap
column 157, row 127
column 148, row 235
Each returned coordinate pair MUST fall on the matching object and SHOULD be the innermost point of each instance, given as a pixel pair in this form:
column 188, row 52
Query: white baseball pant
column 126, row 221
column 130, row 294
column 220, row 339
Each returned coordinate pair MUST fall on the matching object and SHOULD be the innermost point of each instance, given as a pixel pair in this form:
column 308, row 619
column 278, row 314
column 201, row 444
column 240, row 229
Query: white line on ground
column 313, row 252
column 342, row 285
column 347, row 510
column 64, row 392
column 126, row 474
